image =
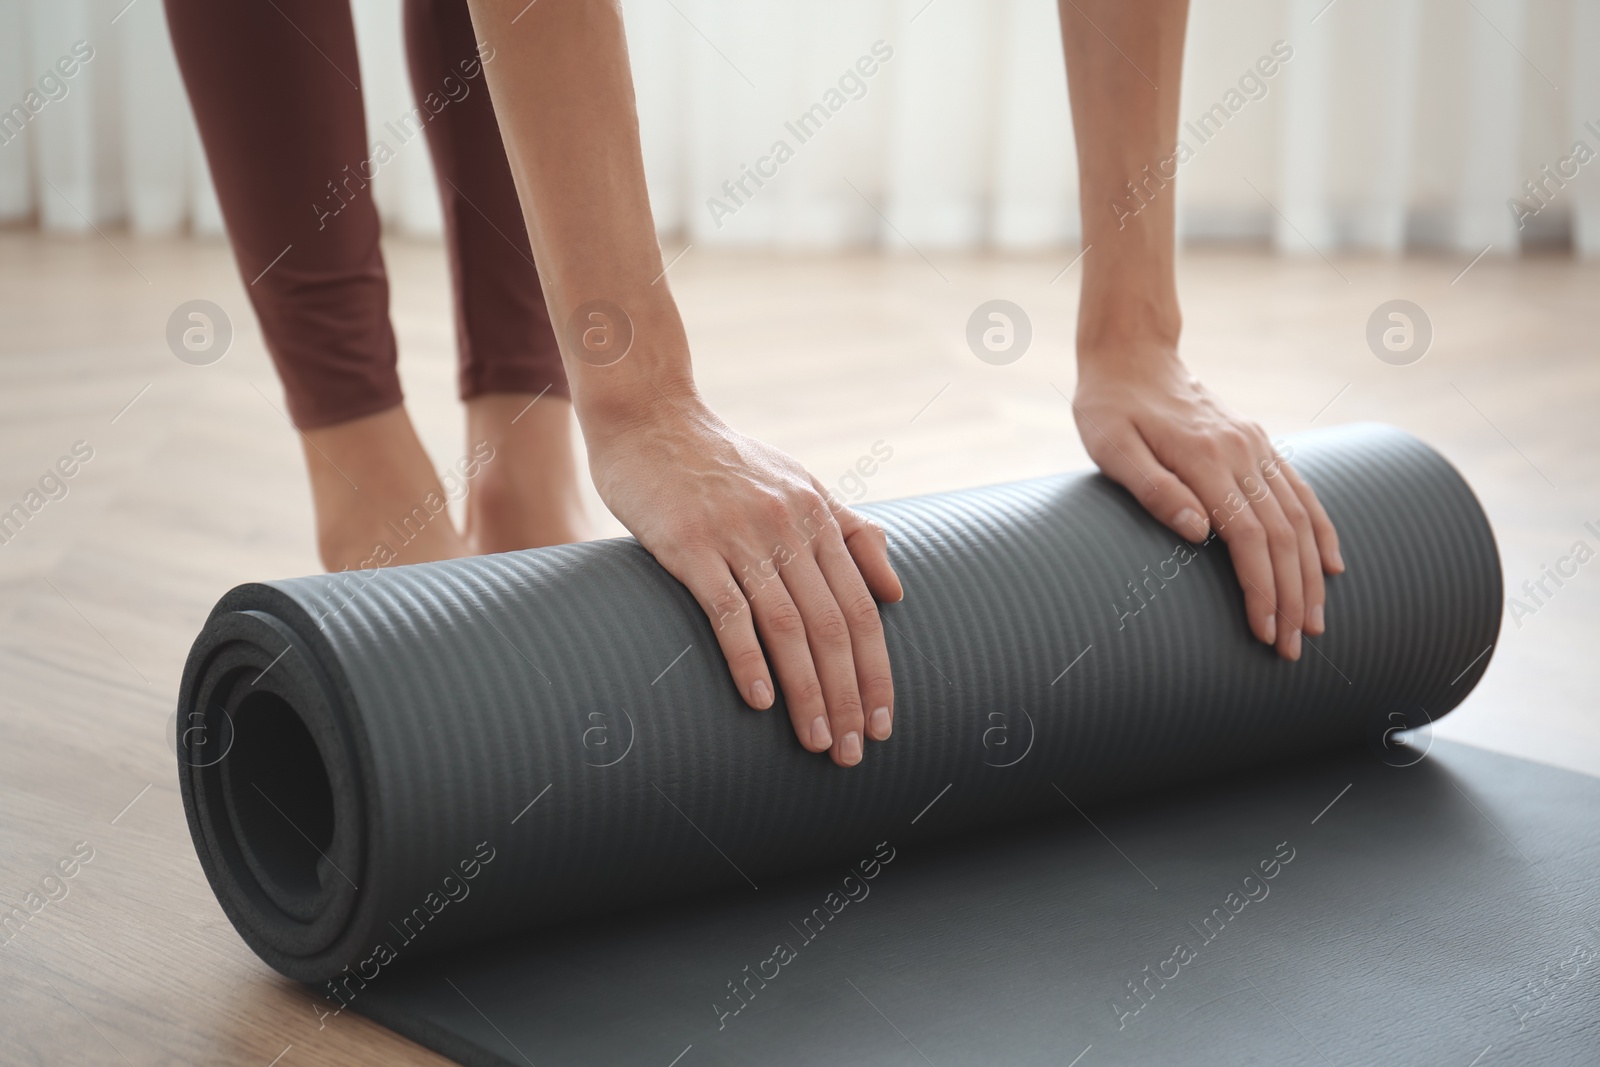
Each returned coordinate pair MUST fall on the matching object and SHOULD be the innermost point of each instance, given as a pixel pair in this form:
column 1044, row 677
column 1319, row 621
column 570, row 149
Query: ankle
column 529, row 495
column 378, row 501
column 507, row 511
column 372, row 537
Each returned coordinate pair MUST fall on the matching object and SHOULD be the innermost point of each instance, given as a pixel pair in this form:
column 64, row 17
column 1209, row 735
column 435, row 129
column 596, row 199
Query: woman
column 751, row 534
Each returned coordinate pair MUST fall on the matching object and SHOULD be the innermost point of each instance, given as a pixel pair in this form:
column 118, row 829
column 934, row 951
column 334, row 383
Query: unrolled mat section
column 1436, row 905
column 385, row 765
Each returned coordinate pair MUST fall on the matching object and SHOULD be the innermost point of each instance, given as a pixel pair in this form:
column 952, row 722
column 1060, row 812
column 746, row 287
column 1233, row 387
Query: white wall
column 1397, row 123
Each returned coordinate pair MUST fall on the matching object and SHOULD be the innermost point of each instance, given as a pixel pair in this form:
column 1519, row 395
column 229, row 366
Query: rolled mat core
column 357, row 751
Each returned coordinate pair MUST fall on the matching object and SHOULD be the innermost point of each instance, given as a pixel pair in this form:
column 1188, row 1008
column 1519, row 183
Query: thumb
column 1129, row 461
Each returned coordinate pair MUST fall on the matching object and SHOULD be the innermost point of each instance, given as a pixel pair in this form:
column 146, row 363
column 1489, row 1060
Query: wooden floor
column 195, row 485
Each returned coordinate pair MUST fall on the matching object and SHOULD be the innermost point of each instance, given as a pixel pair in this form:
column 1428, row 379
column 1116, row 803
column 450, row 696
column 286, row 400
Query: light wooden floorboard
column 197, row 487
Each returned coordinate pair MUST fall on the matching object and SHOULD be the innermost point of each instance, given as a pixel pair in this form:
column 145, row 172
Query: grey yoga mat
column 385, row 772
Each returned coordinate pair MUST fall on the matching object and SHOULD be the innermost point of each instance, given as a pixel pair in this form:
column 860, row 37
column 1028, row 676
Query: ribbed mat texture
column 554, row 732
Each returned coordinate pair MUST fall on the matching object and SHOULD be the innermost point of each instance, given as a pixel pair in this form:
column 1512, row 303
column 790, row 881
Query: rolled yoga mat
column 521, row 790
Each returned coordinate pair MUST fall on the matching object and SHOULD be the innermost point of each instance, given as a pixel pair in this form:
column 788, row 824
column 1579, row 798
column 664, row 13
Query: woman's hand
column 758, row 542
column 1201, row 469
column 741, row 524
column 1193, row 463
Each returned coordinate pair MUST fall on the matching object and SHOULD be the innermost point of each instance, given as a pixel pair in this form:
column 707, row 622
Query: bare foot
column 377, row 498
column 526, row 495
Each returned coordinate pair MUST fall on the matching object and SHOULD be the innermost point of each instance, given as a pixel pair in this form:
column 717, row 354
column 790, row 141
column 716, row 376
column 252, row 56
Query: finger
column 1235, row 521
column 871, row 655
column 1287, row 591
column 869, row 547
column 782, row 626
column 1327, row 536
column 1306, row 539
column 827, row 632
column 1284, row 548
column 707, row 577
column 1127, row 460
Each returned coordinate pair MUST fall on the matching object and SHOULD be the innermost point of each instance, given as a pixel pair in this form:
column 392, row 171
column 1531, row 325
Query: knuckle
column 820, row 516
column 830, row 627
column 805, row 694
column 690, row 542
column 868, row 527
column 1238, row 441
column 1162, row 484
column 878, row 682
column 747, row 660
column 775, row 511
column 1207, row 447
column 847, row 710
column 727, row 602
column 862, row 613
column 784, row 621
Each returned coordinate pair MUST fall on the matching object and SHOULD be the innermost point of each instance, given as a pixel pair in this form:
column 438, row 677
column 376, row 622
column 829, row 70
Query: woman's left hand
column 1201, row 468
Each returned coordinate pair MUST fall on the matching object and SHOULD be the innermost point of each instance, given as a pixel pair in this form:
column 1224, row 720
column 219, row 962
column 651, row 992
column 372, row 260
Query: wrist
column 651, row 397
column 656, row 393
column 1124, row 328
column 651, row 380
column 1129, row 295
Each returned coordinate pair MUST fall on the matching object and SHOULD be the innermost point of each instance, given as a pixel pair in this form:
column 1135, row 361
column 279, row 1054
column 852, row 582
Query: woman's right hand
column 766, row 552
column 741, row 524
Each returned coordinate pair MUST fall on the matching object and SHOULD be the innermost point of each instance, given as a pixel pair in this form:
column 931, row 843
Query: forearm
column 563, row 92
column 1145, row 420
column 1124, row 67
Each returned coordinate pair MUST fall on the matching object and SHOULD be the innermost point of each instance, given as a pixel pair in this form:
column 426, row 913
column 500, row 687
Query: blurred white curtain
column 1394, row 124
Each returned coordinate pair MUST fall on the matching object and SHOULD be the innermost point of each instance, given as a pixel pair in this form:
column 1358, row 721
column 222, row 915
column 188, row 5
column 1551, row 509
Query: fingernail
column 1294, row 645
column 821, row 738
column 850, row 749
column 1189, row 519
column 1338, row 559
column 880, row 724
column 761, row 694
column 1317, row 623
column 1272, row 631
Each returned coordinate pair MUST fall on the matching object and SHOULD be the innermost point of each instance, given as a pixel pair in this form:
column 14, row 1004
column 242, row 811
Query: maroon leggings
column 275, row 89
